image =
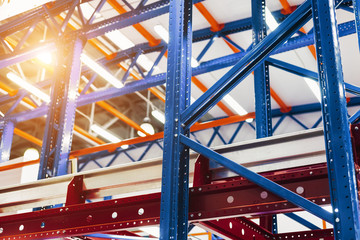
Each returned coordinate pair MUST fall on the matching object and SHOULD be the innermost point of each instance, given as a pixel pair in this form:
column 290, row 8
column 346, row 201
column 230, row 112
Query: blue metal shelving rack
column 180, row 115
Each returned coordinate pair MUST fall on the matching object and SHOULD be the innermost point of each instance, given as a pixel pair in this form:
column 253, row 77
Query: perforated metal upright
column 343, row 189
column 175, row 173
column 61, row 114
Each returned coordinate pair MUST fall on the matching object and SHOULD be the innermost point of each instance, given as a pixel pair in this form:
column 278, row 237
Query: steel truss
column 177, row 205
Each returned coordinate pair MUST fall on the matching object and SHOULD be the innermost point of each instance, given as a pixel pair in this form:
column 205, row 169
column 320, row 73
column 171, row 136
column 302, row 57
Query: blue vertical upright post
column 343, row 189
column 261, row 74
column 262, row 91
column 175, row 172
column 6, row 141
column 356, row 6
column 61, row 115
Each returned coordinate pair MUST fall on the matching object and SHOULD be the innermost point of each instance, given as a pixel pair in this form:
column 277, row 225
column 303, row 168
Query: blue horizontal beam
column 244, row 67
column 302, row 72
column 259, row 180
column 159, row 79
column 295, row 110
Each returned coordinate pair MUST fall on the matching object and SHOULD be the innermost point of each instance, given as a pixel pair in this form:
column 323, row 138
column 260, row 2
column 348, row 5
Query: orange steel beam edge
column 215, row 26
column 26, row 136
column 287, row 9
column 110, row 147
column 108, row 54
column 153, row 42
column 151, row 39
column 103, row 104
column 200, row 126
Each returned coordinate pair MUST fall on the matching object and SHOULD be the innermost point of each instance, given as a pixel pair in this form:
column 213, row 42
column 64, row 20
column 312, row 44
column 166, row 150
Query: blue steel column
column 6, row 141
column 61, row 115
column 262, row 92
column 261, row 74
column 356, row 5
column 175, row 173
column 343, row 190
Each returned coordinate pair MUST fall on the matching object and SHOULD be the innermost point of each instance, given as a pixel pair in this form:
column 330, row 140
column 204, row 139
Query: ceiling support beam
column 216, row 27
column 212, row 65
column 246, row 65
column 155, row 42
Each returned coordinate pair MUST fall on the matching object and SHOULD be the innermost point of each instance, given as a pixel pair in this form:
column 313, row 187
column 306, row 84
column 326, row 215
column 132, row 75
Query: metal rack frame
column 181, row 116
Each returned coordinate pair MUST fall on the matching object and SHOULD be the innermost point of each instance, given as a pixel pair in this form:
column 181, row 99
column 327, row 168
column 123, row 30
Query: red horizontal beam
column 236, row 228
column 218, row 200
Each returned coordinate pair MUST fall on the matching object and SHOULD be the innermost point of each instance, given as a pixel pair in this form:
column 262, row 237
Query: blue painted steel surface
column 175, row 171
column 206, row 48
column 302, row 221
column 356, row 6
column 260, row 180
column 61, row 116
column 212, row 65
column 6, row 141
column 244, row 67
column 343, row 185
column 261, row 74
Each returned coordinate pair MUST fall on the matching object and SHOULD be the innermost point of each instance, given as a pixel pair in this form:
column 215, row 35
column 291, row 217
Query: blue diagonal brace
column 244, row 67
column 302, row 221
column 260, row 180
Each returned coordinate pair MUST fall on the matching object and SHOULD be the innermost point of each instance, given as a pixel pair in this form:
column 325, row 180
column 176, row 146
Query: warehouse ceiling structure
column 103, row 83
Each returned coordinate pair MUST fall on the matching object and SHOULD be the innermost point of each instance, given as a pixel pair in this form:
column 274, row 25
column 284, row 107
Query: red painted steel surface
column 217, row 200
column 236, row 228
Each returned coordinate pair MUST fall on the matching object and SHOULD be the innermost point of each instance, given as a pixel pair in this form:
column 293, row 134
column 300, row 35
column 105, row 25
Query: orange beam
column 87, row 135
column 311, row 47
column 121, row 116
column 113, row 146
column 151, row 39
column 35, row 140
column 27, row 137
column 286, row 6
column 197, row 127
column 215, row 25
column 18, row 165
column 203, row 88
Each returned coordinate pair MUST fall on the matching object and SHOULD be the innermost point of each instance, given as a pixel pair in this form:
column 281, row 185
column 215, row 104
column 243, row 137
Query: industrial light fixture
column 104, row 133
column 249, row 120
column 106, row 75
column 270, row 20
column 234, row 105
column 119, row 40
column 158, row 115
column 28, row 87
column 29, row 173
column 164, row 34
column 45, row 57
column 147, row 127
column 107, row 135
